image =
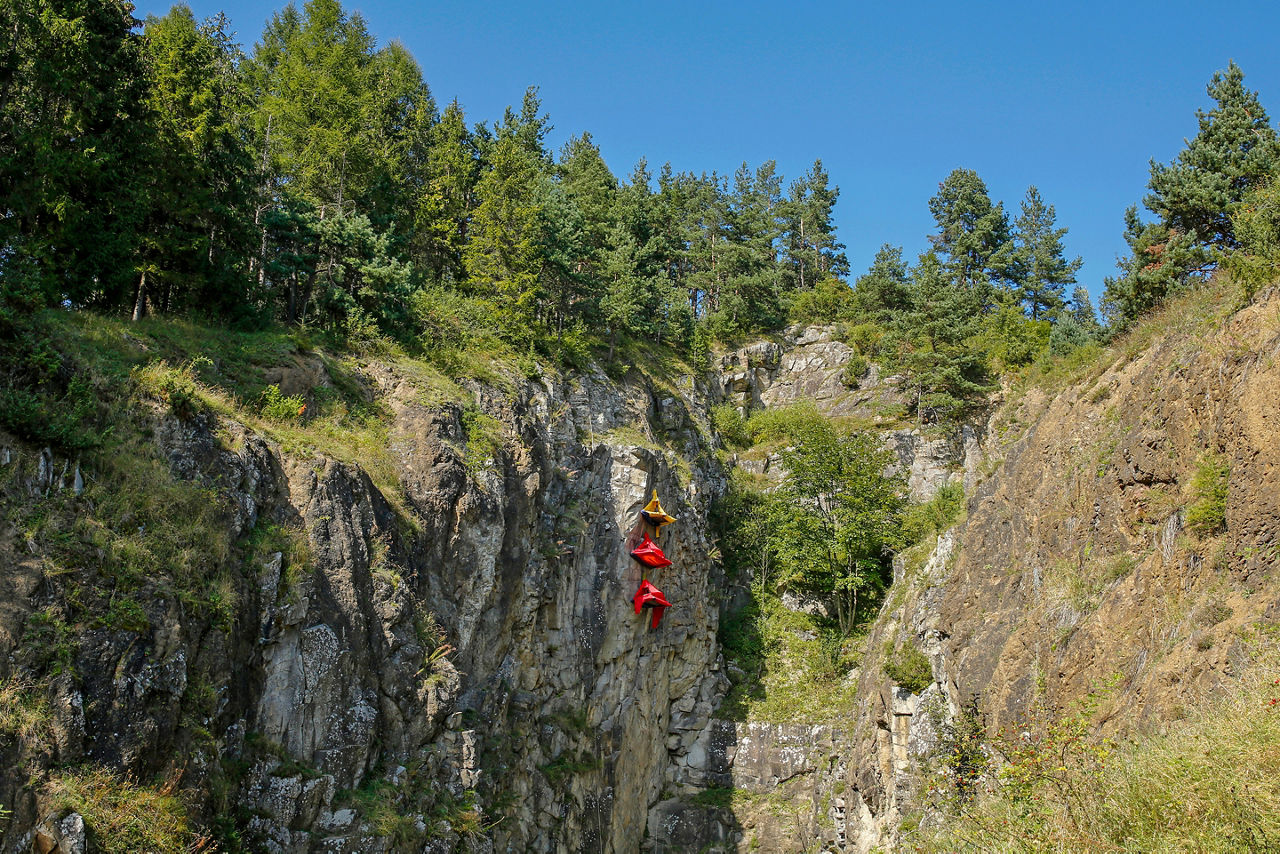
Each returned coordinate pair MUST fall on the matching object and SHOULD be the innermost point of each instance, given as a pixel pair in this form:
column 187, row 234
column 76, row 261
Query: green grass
column 123, row 816
column 1207, row 513
column 795, row 665
column 1208, row 784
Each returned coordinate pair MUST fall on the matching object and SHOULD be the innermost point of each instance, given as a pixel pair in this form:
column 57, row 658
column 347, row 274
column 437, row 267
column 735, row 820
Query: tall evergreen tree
column 73, row 124
column 504, row 255
column 1043, row 272
column 750, row 286
column 934, row 341
column 883, row 292
column 447, row 197
column 1161, row 260
column 809, row 239
column 973, row 234
column 196, row 234
column 1235, row 149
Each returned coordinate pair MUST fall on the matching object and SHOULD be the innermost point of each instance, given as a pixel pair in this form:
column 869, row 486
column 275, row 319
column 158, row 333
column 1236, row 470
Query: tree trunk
column 140, row 302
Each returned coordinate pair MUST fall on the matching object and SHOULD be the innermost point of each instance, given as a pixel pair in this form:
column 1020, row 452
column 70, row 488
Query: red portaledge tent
column 648, row 596
column 649, row 554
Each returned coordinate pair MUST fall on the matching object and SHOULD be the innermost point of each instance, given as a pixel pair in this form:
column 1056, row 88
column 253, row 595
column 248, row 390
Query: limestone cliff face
column 550, row 702
column 468, row 639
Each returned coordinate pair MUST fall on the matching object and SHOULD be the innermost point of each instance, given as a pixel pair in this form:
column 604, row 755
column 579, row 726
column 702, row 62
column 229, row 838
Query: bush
column 934, row 516
column 728, row 422
column 276, row 406
column 854, row 371
column 908, row 667
column 1207, row 514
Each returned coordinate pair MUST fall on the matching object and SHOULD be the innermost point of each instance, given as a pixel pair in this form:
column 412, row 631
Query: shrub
column 921, row 521
column 854, row 370
column 276, row 406
column 908, row 667
column 1207, row 514
column 728, row 422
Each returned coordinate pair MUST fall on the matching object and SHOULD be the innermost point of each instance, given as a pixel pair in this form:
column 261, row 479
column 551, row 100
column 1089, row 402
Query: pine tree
column 884, row 291
column 809, row 239
column 1043, row 272
column 750, row 281
column 72, row 132
column 934, row 342
column 1161, row 261
column 447, row 199
column 504, row 255
column 196, row 233
column 1235, row 149
column 973, row 233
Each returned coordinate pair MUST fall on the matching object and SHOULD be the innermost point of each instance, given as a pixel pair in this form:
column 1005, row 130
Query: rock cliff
column 444, row 656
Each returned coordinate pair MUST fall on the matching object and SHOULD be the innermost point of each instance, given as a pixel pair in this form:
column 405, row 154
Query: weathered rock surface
column 552, row 701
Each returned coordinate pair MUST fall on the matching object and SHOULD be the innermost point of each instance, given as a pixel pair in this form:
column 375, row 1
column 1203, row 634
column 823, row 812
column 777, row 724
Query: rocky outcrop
column 1074, row 573
column 808, row 364
column 461, row 649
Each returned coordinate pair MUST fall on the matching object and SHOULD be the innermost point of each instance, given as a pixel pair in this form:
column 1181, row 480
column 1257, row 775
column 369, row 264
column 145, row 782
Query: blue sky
column 1073, row 98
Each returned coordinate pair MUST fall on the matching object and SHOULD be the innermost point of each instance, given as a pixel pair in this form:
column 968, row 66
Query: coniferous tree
column 195, row 235
column 750, row 287
column 1043, row 272
column 934, row 341
column 1161, row 261
column 883, row 292
column 973, row 234
column 504, row 255
column 810, row 247
column 72, row 130
column 1235, row 149
column 447, row 199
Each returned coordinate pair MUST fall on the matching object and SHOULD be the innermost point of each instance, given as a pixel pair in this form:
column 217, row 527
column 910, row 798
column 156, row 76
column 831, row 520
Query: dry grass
column 125, row 817
column 1209, row 784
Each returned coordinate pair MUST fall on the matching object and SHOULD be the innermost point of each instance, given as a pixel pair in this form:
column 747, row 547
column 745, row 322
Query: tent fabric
column 649, row 554
column 655, row 515
column 648, row 596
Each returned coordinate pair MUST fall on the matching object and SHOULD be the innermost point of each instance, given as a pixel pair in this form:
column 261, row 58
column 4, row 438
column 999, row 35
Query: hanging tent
column 648, row 596
column 649, row 554
column 655, row 515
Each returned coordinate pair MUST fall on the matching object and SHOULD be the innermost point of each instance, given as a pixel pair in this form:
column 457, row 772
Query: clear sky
column 1075, row 98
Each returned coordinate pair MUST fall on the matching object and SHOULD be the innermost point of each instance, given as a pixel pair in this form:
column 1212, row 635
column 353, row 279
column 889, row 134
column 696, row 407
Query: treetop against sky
column 1075, row 98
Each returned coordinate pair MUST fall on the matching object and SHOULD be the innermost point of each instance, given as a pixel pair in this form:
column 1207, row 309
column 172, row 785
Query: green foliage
column 1042, row 272
column 973, row 234
column 908, row 667
column 1235, row 150
column 921, row 522
column 73, row 142
column 484, row 437
column 275, row 405
column 784, row 424
column 1256, row 224
column 718, row 797
column 49, row 642
column 962, row 748
column 42, row 399
column 1206, row 515
column 569, row 765
column 378, row 802
column 122, row 816
column 729, row 425
column 1012, row 339
column 831, row 535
